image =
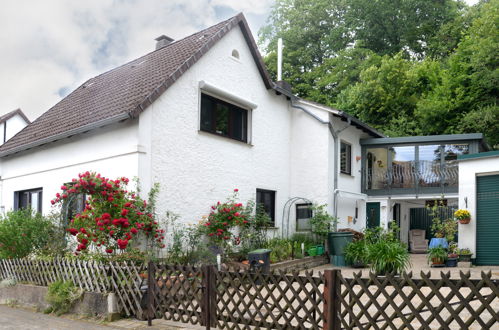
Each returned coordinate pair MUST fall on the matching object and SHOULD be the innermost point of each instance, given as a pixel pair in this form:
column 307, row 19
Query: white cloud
column 259, row 7
column 54, row 45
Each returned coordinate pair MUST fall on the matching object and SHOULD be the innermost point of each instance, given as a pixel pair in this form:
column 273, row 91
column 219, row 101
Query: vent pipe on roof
column 279, row 59
column 163, row 41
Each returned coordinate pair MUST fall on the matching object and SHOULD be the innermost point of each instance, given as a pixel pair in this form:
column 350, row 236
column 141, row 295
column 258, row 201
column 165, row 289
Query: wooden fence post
column 331, row 302
column 208, row 301
column 151, row 276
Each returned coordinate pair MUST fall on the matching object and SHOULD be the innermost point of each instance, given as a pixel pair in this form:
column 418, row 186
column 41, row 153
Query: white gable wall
column 14, row 125
column 196, row 169
column 111, row 151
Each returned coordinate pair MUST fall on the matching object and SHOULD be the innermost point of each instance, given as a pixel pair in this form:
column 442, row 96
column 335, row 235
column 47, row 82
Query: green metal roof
column 487, row 154
column 423, row 139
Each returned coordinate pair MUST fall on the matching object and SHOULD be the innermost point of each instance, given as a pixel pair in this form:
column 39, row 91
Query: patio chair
column 417, row 241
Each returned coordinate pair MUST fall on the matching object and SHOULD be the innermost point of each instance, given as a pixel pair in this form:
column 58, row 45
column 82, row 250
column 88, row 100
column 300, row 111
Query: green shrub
column 61, row 296
column 388, row 257
column 356, row 252
column 282, row 249
column 24, row 232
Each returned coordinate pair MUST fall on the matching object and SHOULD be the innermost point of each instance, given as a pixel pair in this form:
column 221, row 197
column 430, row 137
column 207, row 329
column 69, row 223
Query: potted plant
column 444, row 230
column 452, row 257
column 463, row 216
column 356, row 253
column 388, row 256
column 322, row 225
column 465, row 255
column 437, row 256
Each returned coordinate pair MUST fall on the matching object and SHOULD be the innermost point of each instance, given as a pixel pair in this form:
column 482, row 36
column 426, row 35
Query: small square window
column 303, row 215
column 31, row 198
column 266, row 198
column 345, row 158
column 222, row 118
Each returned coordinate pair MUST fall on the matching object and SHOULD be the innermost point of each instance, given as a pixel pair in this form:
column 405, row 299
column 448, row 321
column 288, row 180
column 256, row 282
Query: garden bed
column 299, row 264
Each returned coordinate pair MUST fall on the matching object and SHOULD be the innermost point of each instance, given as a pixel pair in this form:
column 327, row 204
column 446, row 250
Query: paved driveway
column 21, row 319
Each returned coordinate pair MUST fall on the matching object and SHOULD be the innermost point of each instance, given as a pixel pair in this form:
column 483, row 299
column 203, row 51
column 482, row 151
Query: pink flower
column 236, row 190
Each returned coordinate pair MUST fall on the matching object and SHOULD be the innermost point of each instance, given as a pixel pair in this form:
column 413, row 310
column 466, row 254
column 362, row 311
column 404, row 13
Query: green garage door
column 487, row 222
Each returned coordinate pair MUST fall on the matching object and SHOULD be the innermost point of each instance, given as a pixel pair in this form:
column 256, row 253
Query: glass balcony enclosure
column 415, row 165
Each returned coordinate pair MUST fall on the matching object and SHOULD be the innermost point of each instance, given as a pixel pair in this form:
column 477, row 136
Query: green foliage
column 186, row 245
column 322, row 222
column 442, row 227
column 388, row 257
column 24, row 232
column 412, row 67
column 61, row 296
column 254, row 234
column 437, row 254
column 356, row 252
column 282, row 249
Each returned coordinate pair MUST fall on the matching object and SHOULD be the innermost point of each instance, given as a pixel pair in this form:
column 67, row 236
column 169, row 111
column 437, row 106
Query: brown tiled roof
column 11, row 114
column 127, row 90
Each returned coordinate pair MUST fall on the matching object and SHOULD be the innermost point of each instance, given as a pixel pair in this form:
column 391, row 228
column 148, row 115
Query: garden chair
column 417, row 241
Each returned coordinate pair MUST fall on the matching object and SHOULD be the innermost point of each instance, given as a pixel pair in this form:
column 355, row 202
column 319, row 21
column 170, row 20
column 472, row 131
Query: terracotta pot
column 437, row 261
column 464, row 221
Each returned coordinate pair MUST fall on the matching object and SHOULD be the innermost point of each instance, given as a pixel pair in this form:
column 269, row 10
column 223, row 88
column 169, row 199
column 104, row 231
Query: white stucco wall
column 14, row 125
column 196, row 169
column 469, row 169
column 50, row 166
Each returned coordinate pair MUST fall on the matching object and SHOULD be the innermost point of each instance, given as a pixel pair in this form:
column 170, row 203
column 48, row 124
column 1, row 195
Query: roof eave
column 75, row 131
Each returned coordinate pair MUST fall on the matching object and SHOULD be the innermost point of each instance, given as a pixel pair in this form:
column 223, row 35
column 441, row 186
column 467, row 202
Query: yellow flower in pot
column 463, row 216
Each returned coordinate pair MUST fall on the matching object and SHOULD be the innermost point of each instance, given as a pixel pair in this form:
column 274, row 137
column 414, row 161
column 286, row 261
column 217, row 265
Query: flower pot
column 464, row 221
column 465, row 257
column 358, row 264
column 437, row 261
column 451, row 262
column 320, row 250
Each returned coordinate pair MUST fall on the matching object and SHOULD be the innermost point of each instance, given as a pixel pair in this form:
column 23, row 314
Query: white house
column 201, row 117
column 479, row 194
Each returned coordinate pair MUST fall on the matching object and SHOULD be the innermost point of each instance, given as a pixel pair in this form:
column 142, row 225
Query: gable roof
column 126, row 91
column 11, row 114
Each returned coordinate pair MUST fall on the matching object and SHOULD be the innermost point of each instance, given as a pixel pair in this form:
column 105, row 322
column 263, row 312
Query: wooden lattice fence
column 122, row 278
column 329, row 300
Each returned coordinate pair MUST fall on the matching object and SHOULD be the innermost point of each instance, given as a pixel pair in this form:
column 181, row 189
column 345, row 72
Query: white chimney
column 279, row 59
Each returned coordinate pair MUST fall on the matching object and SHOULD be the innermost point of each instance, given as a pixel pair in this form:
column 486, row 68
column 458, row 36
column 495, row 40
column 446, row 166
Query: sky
column 48, row 48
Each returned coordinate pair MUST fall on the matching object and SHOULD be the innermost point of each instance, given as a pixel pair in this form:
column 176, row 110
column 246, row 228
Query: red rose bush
column 224, row 217
column 113, row 216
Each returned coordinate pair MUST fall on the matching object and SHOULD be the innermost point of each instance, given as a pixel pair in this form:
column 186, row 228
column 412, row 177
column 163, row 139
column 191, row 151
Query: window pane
column 345, row 158
column 403, row 167
column 377, row 163
column 429, row 166
column 224, row 119
column 303, row 215
column 267, row 199
column 451, row 170
column 238, row 124
column 207, row 123
column 222, row 124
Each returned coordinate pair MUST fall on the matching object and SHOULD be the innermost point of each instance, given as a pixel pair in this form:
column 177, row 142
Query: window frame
column 271, row 212
column 18, row 199
column 348, row 158
column 308, row 205
column 232, row 109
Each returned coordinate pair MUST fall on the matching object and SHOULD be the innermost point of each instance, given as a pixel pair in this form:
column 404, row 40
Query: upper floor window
column 345, row 158
column 31, row 198
column 223, row 118
column 266, row 198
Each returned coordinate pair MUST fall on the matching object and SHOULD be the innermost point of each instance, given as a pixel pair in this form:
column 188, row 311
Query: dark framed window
column 222, row 118
column 345, row 158
column 266, row 198
column 31, row 198
column 73, row 205
column 303, row 215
